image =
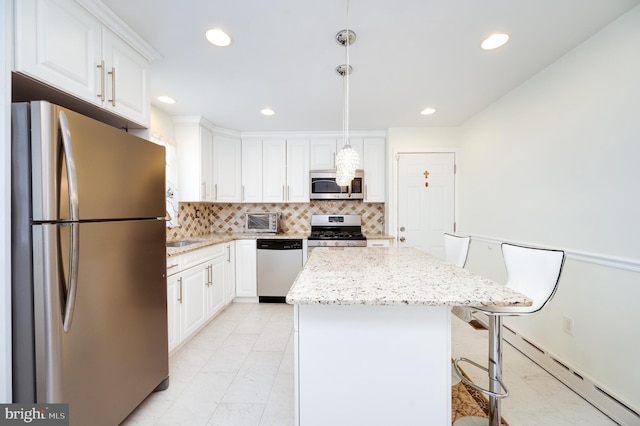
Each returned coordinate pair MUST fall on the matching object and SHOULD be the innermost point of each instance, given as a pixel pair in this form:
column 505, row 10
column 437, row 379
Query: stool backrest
column 533, row 272
column 456, row 249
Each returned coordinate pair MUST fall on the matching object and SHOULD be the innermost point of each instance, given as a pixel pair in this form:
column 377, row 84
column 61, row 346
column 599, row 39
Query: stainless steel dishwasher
column 279, row 261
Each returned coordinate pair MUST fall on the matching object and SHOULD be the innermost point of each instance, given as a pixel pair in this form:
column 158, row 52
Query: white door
column 425, row 200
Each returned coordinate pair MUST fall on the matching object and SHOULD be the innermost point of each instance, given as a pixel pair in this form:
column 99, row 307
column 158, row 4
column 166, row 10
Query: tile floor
column 239, row 371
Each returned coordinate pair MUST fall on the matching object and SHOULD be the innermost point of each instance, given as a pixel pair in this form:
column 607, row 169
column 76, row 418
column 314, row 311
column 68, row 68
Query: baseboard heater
column 617, row 410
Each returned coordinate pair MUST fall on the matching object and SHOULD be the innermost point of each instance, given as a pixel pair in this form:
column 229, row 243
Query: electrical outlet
column 567, row 325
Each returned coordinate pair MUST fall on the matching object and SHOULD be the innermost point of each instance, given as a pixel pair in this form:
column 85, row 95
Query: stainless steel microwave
column 324, row 186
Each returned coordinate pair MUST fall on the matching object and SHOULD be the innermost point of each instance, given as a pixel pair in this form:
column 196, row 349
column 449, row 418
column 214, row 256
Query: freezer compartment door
column 86, row 170
column 114, row 350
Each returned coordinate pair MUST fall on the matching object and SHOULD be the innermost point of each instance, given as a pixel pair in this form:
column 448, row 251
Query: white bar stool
column 456, row 249
column 534, row 273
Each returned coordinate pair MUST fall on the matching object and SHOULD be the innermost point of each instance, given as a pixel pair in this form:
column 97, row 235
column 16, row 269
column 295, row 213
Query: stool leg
column 495, row 367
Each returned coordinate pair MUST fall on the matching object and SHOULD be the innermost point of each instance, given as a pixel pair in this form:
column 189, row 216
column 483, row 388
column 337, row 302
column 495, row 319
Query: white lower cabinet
column 230, row 272
column 196, row 290
column 378, row 243
column 246, row 269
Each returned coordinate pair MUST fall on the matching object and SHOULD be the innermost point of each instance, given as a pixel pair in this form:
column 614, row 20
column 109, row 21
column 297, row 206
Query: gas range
column 338, row 230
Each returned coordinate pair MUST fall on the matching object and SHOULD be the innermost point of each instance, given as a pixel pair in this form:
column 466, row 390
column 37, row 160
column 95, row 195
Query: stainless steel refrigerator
column 89, row 297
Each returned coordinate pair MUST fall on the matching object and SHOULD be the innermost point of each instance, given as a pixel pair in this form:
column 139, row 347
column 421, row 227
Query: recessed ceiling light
column 428, row 111
column 166, row 99
column 494, row 41
column 218, row 37
column 267, row 111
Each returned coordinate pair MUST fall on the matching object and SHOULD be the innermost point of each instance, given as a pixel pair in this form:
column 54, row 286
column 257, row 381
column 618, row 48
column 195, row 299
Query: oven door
column 324, row 186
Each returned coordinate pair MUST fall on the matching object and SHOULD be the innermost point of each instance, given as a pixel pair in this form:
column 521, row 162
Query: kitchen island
column 372, row 335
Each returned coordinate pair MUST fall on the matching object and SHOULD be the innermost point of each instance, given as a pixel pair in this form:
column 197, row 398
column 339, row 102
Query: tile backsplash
column 197, row 219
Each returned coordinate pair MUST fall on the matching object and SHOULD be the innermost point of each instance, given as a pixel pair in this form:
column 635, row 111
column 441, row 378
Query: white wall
column 556, row 163
column 5, row 203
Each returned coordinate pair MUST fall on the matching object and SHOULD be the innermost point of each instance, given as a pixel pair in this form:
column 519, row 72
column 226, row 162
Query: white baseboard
column 604, row 401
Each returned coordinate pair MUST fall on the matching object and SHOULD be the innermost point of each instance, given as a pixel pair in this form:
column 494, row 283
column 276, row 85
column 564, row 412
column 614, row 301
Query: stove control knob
column 335, row 244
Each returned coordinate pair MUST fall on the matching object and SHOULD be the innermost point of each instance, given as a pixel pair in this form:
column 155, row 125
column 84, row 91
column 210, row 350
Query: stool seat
column 535, row 273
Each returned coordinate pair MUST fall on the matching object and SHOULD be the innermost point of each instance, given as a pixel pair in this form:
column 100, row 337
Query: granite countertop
column 218, row 238
column 393, row 276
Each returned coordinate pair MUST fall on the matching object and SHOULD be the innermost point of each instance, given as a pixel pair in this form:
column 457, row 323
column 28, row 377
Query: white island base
column 372, row 365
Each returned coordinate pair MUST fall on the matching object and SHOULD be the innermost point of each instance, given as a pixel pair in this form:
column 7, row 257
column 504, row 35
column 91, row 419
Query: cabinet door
column 374, row 169
column 252, row 171
column 274, row 170
column 378, row 243
column 174, row 304
column 215, row 290
column 206, row 165
column 297, row 171
column 230, row 272
column 226, row 169
column 246, row 268
column 194, row 283
column 126, row 79
column 323, row 154
column 59, row 43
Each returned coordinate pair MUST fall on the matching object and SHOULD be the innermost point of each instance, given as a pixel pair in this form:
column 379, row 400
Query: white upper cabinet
column 251, row 170
column 274, row 170
column 323, row 154
column 209, row 161
column 227, row 160
column 194, row 142
column 297, row 171
column 126, row 80
column 58, row 42
column 373, row 161
column 61, row 44
column 285, row 171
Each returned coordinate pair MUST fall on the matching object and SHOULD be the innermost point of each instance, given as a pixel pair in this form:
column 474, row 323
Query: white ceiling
column 409, row 54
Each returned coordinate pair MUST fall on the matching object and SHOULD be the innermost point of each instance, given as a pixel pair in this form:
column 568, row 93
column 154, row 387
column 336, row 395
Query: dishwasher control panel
column 279, row 244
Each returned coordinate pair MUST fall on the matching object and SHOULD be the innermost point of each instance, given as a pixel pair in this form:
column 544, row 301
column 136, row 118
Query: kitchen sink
column 182, row 243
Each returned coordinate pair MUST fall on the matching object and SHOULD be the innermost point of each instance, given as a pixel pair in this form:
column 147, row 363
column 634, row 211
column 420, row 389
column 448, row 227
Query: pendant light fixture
column 347, row 159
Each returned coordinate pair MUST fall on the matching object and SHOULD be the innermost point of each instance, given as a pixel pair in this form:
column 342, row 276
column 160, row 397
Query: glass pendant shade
column 347, row 161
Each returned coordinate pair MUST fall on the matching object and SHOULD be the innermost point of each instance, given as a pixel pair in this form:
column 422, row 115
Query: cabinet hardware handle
column 288, row 192
column 365, row 192
column 402, row 239
column 242, row 198
column 283, row 194
column 210, row 269
column 204, row 190
column 101, row 66
column 112, row 73
column 215, row 192
column 172, row 266
column 228, row 253
column 180, row 292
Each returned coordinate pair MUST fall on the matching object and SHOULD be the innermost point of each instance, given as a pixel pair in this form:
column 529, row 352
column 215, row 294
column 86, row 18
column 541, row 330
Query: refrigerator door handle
column 74, row 246
column 72, row 279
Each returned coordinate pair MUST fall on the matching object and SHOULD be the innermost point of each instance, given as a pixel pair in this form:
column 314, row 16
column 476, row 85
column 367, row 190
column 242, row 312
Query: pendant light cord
column 346, row 84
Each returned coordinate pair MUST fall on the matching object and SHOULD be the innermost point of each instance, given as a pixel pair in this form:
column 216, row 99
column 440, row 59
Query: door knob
column 402, row 229
column 402, row 239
